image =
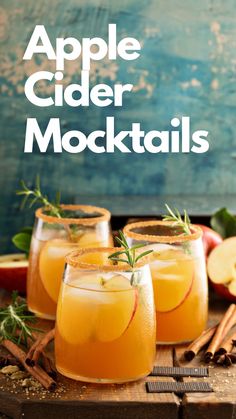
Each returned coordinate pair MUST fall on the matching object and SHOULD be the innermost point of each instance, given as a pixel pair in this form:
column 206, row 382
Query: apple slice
column 13, row 272
column 118, row 310
column 51, row 265
column 221, row 262
column 232, row 288
column 221, row 269
column 77, row 309
column 173, row 276
column 95, row 309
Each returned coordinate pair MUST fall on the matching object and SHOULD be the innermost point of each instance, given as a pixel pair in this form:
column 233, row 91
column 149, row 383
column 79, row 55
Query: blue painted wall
column 187, row 67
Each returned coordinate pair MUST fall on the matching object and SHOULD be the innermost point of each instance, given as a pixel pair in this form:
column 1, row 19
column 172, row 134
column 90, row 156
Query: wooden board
column 77, row 399
column 82, row 400
column 221, row 403
column 89, row 400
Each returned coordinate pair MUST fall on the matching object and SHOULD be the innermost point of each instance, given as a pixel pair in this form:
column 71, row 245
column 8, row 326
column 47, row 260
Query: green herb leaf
column 22, row 241
column 36, row 196
column 143, row 254
column 28, row 230
column 175, row 217
column 130, row 252
column 16, row 321
column 224, row 223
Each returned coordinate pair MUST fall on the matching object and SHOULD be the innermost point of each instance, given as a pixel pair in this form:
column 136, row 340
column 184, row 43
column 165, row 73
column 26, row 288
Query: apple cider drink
column 179, row 278
column 105, row 326
column 53, row 238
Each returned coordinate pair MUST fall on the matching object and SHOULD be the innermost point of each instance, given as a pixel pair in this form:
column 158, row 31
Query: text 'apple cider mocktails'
column 179, row 278
column 53, row 238
column 105, row 327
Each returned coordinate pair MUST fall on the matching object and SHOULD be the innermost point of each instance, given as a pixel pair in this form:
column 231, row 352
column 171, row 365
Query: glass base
column 99, row 380
column 42, row 315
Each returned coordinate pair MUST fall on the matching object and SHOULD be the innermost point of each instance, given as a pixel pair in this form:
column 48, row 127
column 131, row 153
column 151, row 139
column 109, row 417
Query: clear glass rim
column 72, row 259
column 196, row 232
column 105, row 215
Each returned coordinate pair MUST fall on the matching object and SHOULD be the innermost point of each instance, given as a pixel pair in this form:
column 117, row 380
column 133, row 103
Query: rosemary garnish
column 15, row 321
column 129, row 252
column 184, row 223
column 53, row 208
column 36, row 196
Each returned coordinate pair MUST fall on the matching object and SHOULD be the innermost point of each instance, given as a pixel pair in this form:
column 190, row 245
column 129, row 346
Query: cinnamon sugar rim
column 196, row 232
column 105, row 215
column 72, row 259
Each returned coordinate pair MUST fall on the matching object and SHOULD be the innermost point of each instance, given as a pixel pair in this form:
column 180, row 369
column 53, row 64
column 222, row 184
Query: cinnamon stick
column 38, row 347
column 195, row 347
column 36, row 372
column 30, row 352
column 219, row 359
column 232, row 356
column 46, row 362
column 227, row 344
column 228, row 321
column 49, row 367
column 226, row 359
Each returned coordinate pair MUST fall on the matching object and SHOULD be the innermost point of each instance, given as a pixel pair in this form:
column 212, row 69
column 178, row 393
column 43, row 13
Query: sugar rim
column 105, row 215
column 72, row 260
column 196, row 232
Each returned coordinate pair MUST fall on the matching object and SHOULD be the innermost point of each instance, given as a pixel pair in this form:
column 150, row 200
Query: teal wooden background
column 187, row 67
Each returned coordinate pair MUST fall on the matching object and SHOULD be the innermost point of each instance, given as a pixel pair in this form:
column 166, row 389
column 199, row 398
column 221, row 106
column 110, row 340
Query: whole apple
column 13, row 272
column 210, row 239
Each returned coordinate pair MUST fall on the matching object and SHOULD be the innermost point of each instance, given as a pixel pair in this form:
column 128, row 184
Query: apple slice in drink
column 119, row 308
column 77, row 310
column 173, row 275
column 92, row 308
column 51, row 265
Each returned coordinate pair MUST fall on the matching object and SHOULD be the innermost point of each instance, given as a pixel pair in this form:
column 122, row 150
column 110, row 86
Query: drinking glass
column 53, row 237
column 179, row 278
column 105, row 326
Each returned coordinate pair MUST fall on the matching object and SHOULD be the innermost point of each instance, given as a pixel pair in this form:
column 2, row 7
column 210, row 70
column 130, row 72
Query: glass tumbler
column 105, row 326
column 179, row 278
column 81, row 226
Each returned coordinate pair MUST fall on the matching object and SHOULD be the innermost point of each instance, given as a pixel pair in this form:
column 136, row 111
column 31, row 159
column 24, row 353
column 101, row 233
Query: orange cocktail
column 105, row 326
column 179, row 278
column 53, row 238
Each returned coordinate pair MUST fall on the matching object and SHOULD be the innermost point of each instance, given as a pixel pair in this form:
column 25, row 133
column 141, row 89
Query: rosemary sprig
column 54, row 208
column 129, row 252
column 16, row 320
column 36, row 196
column 177, row 220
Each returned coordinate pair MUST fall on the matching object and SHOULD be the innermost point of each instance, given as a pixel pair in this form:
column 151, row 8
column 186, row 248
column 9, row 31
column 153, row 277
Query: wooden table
column 128, row 401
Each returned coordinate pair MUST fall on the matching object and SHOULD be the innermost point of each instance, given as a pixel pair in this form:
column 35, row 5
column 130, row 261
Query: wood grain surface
column 131, row 401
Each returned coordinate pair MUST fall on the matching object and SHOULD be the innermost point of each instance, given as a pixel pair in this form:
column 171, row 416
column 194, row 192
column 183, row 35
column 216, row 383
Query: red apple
column 210, row 239
column 223, row 291
column 13, row 272
column 221, row 267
